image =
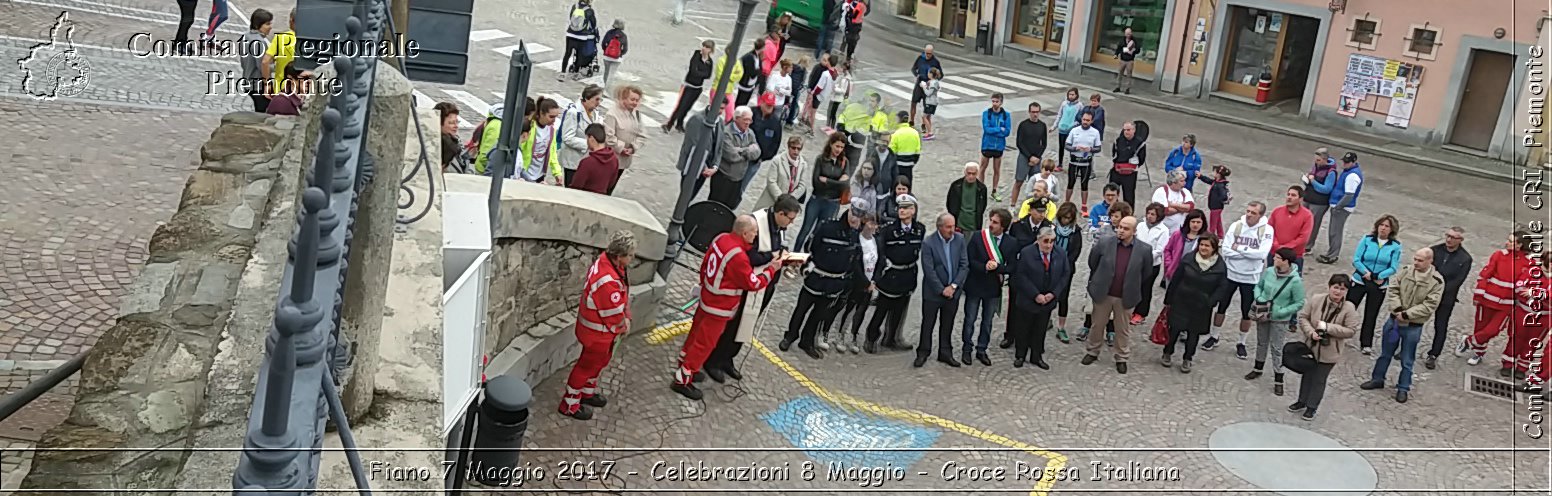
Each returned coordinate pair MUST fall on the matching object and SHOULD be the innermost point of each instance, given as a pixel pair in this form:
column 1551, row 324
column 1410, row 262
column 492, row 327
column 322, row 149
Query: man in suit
column 944, row 269
column 1116, row 267
column 991, row 256
column 1041, row 277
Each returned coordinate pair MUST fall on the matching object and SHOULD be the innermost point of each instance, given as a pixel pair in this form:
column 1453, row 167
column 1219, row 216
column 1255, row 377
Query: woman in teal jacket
column 1377, row 258
column 1282, row 289
column 1066, row 119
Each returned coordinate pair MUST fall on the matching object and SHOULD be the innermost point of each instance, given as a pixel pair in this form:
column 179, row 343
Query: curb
column 1330, row 140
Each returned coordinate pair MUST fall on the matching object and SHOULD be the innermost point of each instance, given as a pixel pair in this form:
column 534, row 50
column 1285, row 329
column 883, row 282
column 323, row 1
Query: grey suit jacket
column 1102, row 267
column 935, row 274
column 738, row 150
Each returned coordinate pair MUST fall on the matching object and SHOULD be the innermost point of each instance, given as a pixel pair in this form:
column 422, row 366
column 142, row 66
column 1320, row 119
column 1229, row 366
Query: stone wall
column 546, row 239
column 144, row 383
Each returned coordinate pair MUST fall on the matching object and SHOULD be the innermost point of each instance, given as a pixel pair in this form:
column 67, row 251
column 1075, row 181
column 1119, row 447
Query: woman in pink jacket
column 1183, row 242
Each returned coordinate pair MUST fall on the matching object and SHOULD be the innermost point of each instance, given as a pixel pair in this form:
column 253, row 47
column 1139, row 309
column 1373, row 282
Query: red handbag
column 1160, row 333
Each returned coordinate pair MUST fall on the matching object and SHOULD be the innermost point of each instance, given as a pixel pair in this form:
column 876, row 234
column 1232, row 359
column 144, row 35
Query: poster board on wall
column 1381, row 78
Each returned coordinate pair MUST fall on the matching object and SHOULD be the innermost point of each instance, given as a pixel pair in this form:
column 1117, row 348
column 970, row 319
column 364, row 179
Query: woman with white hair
column 615, row 46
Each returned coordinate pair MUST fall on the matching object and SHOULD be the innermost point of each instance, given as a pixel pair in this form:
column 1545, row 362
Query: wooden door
column 1482, row 98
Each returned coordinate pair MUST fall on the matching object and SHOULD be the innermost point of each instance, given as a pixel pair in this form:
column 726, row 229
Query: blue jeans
column 979, row 308
column 1407, row 337
column 823, row 44
column 818, row 209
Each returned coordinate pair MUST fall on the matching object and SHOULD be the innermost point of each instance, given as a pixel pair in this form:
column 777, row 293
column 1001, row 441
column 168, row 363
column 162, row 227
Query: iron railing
column 14, row 402
column 298, row 388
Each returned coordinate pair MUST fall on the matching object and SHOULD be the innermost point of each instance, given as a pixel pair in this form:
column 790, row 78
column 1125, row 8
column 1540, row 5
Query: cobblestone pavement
column 89, row 179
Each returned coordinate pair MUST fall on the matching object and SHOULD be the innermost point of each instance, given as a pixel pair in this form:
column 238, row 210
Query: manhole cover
column 1266, row 454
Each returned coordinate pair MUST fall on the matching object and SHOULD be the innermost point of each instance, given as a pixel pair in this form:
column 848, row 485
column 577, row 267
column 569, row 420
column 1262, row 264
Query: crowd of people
column 861, row 243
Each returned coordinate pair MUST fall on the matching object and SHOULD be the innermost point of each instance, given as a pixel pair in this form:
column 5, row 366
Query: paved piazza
column 90, row 178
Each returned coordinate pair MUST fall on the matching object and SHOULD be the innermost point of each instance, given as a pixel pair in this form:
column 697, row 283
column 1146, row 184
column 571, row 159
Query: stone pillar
column 371, row 251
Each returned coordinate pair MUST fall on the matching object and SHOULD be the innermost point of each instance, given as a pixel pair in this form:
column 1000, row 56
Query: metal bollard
column 498, row 438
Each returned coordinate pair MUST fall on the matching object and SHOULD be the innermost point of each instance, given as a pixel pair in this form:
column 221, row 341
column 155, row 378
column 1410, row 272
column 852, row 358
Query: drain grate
column 1490, row 387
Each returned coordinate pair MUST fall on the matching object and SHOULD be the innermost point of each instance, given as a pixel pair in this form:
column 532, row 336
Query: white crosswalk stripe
column 425, row 102
column 1048, row 84
column 533, row 49
column 898, row 88
column 470, row 101
column 984, row 86
column 488, row 34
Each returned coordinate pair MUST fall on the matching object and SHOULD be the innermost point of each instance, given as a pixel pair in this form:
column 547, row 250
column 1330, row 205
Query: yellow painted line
column 1055, row 461
column 664, row 333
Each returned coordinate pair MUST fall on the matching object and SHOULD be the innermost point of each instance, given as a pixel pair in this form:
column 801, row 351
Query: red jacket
column 1291, row 230
column 596, row 171
column 605, row 300
column 1495, row 284
column 726, row 274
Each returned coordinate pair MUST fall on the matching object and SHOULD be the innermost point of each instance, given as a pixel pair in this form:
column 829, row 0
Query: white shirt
column 824, row 87
column 869, row 256
column 1156, row 236
column 1051, row 184
column 1165, row 196
column 1084, row 137
column 541, row 155
column 1351, row 186
column 780, row 85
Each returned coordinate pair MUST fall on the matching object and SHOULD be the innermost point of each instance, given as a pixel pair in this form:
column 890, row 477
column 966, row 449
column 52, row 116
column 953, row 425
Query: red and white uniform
column 601, row 317
column 1528, row 320
column 1494, row 296
column 725, row 276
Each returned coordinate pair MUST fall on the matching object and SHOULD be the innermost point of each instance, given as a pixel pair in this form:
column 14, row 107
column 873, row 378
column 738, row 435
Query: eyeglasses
column 1453, row 237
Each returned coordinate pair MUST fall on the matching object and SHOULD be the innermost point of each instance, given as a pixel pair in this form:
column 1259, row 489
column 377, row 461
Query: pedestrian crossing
column 972, row 86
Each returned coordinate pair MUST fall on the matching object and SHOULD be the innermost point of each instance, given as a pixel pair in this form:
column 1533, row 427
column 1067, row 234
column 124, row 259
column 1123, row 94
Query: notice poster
column 1260, row 24
column 1347, row 106
column 1277, row 23
column 1400, row 114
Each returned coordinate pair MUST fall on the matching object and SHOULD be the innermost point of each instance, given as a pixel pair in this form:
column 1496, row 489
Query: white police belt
column 890, row 265
column 815, row 270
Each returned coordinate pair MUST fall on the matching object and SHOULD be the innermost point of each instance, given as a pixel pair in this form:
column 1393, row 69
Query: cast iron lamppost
column 698, row 138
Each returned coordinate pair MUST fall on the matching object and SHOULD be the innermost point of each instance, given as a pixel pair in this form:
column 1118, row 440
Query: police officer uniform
column 900, row 243
column 832, row 262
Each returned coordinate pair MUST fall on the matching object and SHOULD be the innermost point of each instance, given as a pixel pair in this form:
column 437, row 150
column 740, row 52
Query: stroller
column 586, row 63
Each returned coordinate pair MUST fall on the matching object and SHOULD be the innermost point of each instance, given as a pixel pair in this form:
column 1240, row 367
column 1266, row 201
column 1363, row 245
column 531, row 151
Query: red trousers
column 597, row 350
column 1489, row 322
column 1520, row 351
column 705, row 330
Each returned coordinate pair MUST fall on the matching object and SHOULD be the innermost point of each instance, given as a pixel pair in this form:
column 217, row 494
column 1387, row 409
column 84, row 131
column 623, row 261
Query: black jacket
column 751, row 65
column 1218, row 194
column 834, row 258
column 758, row 258
column 1031, row 138
column 956, row 199
column 1031, row 279
column 1454, row 267
column 1121, row 52
column 1190, row 294
column 767, row 132
column 1024, row 233
column 700, row 70
column 900, row 246
column 1125, row 149
column 828, row 168
column 979, row 282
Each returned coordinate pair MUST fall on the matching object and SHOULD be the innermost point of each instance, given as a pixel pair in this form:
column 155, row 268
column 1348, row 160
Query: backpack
column 615, row 47
column 578, row 19
column 473, row 146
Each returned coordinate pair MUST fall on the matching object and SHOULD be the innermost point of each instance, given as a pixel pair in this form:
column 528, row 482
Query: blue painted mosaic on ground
column 810, row 422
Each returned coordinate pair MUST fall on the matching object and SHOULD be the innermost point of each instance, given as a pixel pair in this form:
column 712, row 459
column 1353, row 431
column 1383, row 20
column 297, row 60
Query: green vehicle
column 807, row 15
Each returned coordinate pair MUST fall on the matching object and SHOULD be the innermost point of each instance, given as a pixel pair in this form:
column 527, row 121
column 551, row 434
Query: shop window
column 1423, row 43
column 1364, row 34
column 1144, row 17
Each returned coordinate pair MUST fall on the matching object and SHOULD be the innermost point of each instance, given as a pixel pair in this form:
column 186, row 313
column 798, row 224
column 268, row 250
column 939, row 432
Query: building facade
column 1429, row 72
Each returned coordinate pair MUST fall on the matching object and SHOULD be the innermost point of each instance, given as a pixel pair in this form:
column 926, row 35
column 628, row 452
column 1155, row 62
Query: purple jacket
column 284, row 105
column 1173, row 252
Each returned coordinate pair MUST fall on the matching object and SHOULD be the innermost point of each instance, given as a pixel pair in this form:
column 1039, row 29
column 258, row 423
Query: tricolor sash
column 996, row 255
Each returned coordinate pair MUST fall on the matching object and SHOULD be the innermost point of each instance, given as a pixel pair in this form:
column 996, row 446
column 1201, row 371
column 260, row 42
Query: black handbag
column 1298, row 357
column 1261, row 311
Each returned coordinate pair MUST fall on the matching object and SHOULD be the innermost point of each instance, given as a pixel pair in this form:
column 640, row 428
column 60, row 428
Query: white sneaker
column 1475, row 359
column 824, row 345
column 1464, row 346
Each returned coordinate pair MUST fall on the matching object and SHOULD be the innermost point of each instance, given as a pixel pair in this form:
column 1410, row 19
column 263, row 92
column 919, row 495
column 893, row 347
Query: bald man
column 726, row 275
column 1412, row 299
column 1116, row 267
